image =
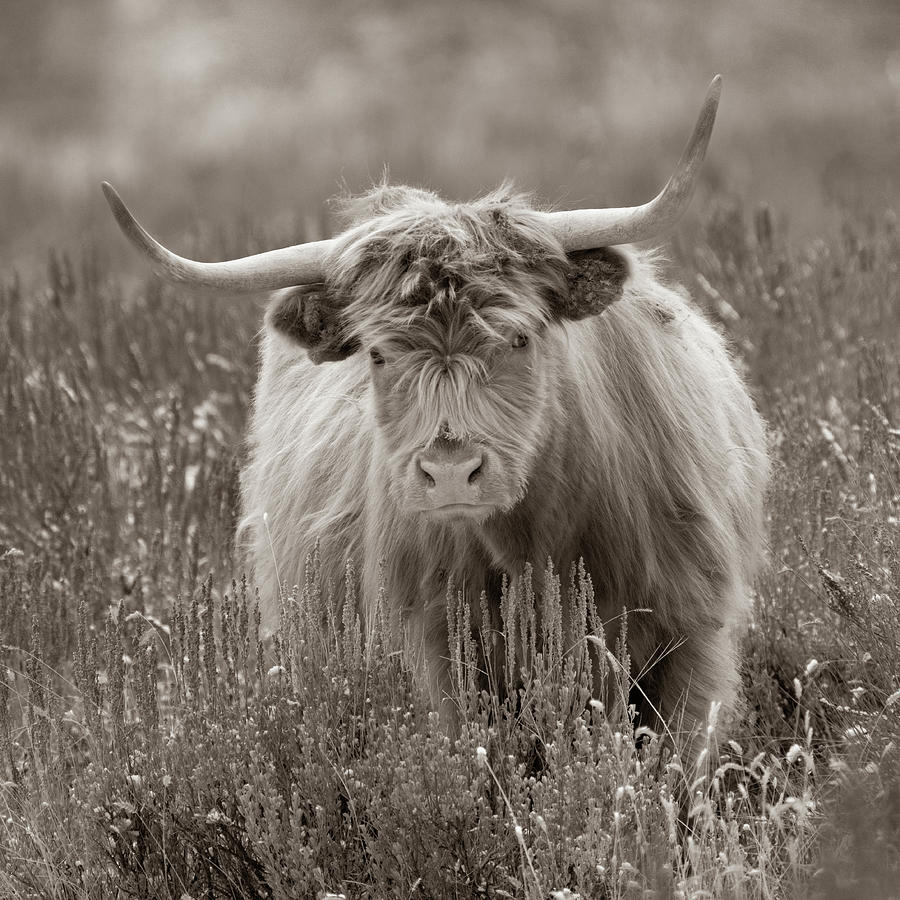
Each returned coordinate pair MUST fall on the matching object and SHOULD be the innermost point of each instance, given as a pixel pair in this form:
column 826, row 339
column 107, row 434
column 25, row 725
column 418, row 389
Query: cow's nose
column 452, row 476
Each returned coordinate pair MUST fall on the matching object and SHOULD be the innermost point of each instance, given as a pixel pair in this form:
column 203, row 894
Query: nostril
column 429, row 478
column 475, row 474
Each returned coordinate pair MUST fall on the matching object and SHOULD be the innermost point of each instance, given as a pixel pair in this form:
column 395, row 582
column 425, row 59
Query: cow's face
column 459, row 399
column 458, row 312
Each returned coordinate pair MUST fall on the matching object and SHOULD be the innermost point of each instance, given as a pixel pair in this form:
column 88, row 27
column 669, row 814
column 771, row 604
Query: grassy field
column 147, row 749
column 148, row 746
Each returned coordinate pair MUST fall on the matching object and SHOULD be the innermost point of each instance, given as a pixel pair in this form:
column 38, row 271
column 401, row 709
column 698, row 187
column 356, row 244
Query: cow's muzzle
column 451, row 481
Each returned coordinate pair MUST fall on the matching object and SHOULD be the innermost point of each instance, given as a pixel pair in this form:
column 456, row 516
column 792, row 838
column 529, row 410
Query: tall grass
column 149, row 746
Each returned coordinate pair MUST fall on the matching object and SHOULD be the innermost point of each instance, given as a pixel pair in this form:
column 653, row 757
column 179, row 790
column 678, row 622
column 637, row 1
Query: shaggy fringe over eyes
column 409, row 256
column 444, row 407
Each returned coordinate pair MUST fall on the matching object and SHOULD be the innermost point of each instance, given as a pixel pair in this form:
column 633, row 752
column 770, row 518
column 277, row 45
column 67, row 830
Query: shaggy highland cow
column 453, row 390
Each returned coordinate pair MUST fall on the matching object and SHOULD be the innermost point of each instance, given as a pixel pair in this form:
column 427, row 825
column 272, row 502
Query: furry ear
column 310, row 316
column 596, row 278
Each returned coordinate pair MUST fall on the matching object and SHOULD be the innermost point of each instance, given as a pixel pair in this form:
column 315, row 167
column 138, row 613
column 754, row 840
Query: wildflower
column 217, row 817
column 481, row 756
column 793, row 753
column 811, row 667
column 275, row 670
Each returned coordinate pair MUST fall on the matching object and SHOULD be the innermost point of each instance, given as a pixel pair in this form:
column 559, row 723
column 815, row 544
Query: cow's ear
column 310, row 316
column 595, row 279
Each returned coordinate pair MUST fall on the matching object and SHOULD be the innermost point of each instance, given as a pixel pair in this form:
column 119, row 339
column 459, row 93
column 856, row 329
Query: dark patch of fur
column 595, row 280
column 309, row 316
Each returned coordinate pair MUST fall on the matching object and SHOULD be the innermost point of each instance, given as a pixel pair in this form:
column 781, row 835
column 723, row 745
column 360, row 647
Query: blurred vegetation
column 220, row 111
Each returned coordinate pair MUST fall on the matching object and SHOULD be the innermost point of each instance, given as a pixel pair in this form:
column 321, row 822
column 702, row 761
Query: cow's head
column 456, row 307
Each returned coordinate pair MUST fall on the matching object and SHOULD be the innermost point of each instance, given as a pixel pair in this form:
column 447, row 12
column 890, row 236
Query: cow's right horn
column 300, row 264
column 587, row 229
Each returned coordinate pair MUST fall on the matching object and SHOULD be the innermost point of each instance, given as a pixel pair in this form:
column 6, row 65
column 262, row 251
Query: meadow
column 150, row 746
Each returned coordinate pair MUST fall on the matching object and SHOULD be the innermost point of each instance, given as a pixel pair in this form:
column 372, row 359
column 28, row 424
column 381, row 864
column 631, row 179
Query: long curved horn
column 586, row 229
column 300, row 264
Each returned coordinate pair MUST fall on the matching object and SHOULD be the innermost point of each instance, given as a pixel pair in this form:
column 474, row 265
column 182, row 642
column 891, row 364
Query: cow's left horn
column 300, row 264
column 586, row 229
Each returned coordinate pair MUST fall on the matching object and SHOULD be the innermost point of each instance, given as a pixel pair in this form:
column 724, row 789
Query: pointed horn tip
column 119, row 210
column 707, row 118
column 108, row 191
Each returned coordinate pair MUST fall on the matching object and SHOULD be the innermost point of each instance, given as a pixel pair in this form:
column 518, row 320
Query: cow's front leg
column 682, row 686
column 428, row 649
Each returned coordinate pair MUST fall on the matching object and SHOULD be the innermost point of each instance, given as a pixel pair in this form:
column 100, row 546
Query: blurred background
column 250, row 115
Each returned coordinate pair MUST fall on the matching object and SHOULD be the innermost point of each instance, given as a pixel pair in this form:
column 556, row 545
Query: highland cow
column 453, row 390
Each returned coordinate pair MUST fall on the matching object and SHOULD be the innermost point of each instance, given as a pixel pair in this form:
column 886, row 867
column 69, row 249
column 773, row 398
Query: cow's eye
column 520, row 341
column 377, row 358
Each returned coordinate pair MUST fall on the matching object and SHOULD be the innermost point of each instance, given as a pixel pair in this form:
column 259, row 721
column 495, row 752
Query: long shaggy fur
column 630, row 435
